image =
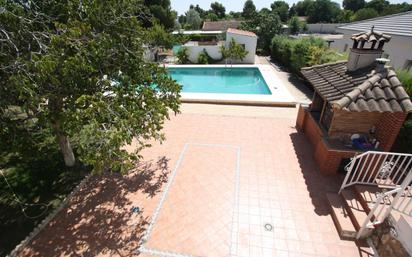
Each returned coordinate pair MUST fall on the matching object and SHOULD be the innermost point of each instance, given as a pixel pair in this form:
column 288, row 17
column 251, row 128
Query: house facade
column 398, row 26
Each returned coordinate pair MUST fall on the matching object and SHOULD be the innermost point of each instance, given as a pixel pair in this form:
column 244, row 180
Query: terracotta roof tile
column 363, row 90
column 242, row 32
column 220, row 25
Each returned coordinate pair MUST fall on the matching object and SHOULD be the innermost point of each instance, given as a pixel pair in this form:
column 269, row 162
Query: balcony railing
column 392, row 171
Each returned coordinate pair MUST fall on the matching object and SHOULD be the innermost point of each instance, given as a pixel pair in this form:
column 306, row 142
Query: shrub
column 406, row 79
column 404, row 140
column 299, row 53
column 204, row 58
column 183, row 55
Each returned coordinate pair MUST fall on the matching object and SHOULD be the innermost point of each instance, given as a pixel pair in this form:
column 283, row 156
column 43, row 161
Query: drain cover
column 268, row 227
column 135, row 209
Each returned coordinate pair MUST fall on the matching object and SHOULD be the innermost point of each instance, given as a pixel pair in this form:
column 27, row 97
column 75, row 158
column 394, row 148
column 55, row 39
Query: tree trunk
column 64, row 144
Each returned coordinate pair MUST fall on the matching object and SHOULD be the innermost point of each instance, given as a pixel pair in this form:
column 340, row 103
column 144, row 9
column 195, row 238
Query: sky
column 181, row 6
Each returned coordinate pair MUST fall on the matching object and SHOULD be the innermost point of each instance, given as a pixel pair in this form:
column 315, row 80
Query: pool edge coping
column 280, row 95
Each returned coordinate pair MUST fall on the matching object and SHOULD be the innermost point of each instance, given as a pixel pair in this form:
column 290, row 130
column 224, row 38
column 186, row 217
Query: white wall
column 194, row 51
column 399, row 48
column 214, row 50
column 403, row 226
column 250, row 46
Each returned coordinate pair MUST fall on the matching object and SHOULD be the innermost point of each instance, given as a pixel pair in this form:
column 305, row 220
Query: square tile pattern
column 237, row 175
column 209, row 174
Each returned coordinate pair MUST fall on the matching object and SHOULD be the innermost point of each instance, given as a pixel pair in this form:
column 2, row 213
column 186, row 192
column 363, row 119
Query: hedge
column 404, row 141
column 299, row 53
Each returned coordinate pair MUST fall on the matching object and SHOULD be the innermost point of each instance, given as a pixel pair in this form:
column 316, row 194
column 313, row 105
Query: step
column 341, row 217
column 369, row 194
column 354, row 207
column 385, row 182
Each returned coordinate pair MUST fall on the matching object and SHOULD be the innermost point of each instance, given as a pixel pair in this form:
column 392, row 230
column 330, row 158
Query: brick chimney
column 367, row 47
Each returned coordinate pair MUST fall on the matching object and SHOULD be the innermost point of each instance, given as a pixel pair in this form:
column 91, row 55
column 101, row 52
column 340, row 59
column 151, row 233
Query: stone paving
column 218, row 186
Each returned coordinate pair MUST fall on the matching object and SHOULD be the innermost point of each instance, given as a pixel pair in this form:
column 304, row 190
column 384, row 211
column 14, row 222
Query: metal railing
column 378, row 168
column 384, row 169
column 379, row 211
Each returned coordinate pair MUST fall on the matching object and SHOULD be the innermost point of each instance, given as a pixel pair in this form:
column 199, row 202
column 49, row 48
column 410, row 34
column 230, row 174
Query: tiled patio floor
column 208, row 190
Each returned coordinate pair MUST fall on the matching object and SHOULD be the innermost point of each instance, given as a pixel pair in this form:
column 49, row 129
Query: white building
column 398, row 26
column 245, row 38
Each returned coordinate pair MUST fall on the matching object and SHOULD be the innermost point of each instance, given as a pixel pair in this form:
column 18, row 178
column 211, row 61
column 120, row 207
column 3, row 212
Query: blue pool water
column 220, row 80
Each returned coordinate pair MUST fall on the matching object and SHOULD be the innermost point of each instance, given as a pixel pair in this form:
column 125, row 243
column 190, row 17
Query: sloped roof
column 396, row 24
column 371, row 36
column 363, row 90
column 221, row 25
column 242, row 32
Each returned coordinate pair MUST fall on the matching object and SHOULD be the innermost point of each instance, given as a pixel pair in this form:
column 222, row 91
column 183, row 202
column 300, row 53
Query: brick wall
column 300, row 120
column 353, row 122
column 387, row 129
column 312, row 130
column 328, row 160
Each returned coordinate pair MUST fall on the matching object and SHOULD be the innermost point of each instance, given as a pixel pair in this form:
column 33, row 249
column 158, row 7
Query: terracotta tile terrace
column 220, row 185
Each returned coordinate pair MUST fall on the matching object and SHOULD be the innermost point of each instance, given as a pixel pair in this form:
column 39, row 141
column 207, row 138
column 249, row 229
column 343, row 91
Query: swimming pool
column 224, row 80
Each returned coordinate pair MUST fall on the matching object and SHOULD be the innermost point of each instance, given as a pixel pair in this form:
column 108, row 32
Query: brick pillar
column 301, row 119
column 387, row 129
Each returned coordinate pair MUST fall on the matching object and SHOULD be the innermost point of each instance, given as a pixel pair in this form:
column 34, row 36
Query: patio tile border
column 155, row 252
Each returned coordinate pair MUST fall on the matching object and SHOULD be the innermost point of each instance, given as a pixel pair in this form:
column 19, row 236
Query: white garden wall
column 248, row 41
column 195, row 50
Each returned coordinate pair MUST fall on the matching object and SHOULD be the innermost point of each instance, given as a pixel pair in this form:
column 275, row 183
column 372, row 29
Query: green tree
column 193, row 19
column 218, row 9
column 233, row 51
column 212, row 17
column 158, row 37
column 353, row 5
column 201, row 11
column 396, row 8
column 302, row 7
column 282, row 9
column 266, row 25
column 365, row 13
column 76, row 69
column 345, row 16
column 182, row 19
column 294, row 25
column 162, row 11
column 293, row 11
column 378, row 5
column 323, row 11
column 249, row 9
column 235, row 15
